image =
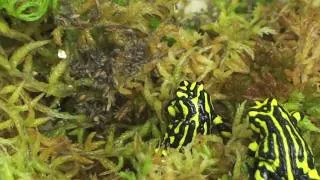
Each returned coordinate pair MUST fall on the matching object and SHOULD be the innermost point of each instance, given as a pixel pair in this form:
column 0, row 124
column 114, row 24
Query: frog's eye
column 265, row 105
column 199, row 83
column 184, row 83
column 200, row 86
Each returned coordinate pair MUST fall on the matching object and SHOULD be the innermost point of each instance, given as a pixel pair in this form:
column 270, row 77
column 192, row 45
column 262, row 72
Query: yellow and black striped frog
column 191, row 113
column 280, row 151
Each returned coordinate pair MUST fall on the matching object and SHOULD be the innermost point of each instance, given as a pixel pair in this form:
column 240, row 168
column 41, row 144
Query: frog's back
column 282, row 152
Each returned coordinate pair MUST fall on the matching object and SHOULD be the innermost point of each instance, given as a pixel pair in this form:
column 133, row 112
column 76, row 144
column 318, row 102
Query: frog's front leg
column 253, row 148
column 296, row 117
column 264, row 171
column 261, row 173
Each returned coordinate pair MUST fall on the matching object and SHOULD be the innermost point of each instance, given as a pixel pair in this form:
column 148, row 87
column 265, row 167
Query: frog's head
column 265, row 106
column 189, row 90
column 185, row 92
column 260, row 113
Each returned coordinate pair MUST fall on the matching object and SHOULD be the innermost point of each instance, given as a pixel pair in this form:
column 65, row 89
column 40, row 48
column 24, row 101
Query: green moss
column 121, row 2
column 29, row 10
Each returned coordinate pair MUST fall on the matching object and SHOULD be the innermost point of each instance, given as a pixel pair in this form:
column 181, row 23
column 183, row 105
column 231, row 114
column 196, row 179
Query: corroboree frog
column 280, row 151
column 191, row 113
